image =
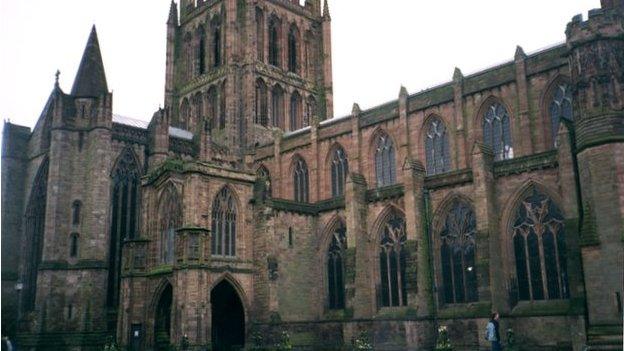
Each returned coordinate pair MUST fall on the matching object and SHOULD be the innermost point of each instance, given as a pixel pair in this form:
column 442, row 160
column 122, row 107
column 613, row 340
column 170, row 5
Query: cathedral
column 244, row 215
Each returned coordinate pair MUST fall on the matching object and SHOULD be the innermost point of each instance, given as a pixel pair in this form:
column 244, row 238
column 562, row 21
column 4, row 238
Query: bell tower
column 245, row 67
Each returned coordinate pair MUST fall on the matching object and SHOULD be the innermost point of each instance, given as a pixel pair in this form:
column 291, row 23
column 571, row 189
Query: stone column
column 418, row 269
column 488, row 261
column 360, row 295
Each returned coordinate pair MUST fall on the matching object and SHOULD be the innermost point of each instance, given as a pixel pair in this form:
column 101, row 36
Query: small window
column 274, row 38
column 437, row 148
column 76, row 207
column 560, row 108
column 201, row 51
column 277, row 107
column 497, row 131
column 295, row 111
column 73, row 245
column 262, row 111
column 339, row 170
column 293, row 48
column 290, row 237
column 216, row 45
column 300, row 180
column 385, row 164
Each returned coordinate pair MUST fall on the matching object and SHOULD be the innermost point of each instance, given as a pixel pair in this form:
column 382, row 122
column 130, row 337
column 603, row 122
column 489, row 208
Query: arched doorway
column 228, row 318
column 162, row 327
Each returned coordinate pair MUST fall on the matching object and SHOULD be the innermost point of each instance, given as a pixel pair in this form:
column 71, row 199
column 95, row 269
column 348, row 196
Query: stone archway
column 162, row 325
column 228, row 318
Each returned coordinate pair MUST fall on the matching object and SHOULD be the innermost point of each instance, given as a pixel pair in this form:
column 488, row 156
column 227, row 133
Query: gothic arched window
column 295, row 111
column 339, row 170
column 274, row 39
column 213, row 107
column 385, row 164
column 539, row 245
column 560, row 108
column 277, row 107
column 124, row 217
column 497, row 131
column 300, row 180
column 201, row 50
column 335, row 267
column 170, row 220
column 260, row 34
column 437, row 147
column 457, row 254
column 293, row 49
column 76, row 207
column 310, row 111
column 185, row 113
column 392, row 259
column 216, row 44
column 262, row 110
column 34, row 230
column 224, row 224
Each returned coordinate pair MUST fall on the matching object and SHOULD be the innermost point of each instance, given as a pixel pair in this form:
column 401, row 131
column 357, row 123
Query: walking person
column 492, row 333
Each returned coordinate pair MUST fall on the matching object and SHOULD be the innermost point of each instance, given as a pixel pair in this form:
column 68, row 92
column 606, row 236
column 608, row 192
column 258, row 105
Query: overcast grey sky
column 377, row 46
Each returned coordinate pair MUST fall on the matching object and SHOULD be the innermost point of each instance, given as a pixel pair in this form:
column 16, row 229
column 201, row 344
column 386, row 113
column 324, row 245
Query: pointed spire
column 173, row 13
column 326, row 11
column 356, row 110
column 520, row 55
column 91, row 80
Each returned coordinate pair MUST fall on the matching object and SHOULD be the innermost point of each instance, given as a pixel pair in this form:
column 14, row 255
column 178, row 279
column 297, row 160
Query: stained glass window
column 392, row 259
column 497, row 131
column 335, row 268
column 457, row 254
column 339, row 170
column 540, row 249
column 224, row 224
column 437, row 148
column 385, row 164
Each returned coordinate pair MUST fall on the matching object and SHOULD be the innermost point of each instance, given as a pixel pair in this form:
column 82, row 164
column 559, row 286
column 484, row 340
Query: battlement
column 605, row 22
column 307, row 7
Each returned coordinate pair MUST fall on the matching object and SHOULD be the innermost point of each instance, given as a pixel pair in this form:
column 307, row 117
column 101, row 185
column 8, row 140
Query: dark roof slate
column 90, row 80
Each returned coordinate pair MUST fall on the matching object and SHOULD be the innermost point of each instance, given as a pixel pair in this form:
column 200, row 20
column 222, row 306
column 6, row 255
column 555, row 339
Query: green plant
column 444, row 342
column 362, row 342
column 284, row 343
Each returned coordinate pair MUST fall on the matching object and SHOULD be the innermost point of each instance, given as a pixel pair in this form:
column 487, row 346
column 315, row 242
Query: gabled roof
column 90, row 80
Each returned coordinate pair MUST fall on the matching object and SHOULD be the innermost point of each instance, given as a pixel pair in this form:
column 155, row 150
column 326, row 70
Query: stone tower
column 245, row 67
column 596, row 56
column 65, row 191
